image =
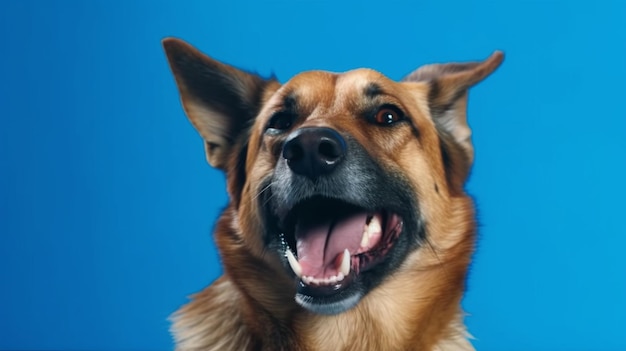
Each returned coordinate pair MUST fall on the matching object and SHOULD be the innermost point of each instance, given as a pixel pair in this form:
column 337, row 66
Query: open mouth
column 329, row 243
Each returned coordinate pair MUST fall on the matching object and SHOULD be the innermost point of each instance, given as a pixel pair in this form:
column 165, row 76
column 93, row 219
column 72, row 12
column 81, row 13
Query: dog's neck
column 247, row 310
column 215, row 320
column 381, row 322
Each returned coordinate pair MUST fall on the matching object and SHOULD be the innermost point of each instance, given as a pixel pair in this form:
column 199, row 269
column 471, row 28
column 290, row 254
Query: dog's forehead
column 361, row 79
column 321, row 80
column 323, row 88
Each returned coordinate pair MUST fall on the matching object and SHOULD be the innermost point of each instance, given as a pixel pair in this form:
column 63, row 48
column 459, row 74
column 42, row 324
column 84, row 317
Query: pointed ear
column 449, row 84
column 220, row 101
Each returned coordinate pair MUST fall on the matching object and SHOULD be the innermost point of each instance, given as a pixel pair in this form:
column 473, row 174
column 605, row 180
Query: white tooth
column 374, row 226
column 333, row 279
column 345, row 263
column 293, row 262
column 365, row 240
column 340, row 277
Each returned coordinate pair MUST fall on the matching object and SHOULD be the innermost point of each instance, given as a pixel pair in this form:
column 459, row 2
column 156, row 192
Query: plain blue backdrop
column 107, row 203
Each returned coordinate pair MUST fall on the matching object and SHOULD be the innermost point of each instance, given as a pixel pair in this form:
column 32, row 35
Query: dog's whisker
column 267, row 187
column 434, row 250
column 268, row 199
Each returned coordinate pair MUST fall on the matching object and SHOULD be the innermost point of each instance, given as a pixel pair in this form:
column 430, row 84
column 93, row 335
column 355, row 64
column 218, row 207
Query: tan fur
column 196, row 327
column 417, row 307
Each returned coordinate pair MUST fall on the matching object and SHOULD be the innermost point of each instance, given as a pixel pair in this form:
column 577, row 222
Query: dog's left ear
column 447, row 100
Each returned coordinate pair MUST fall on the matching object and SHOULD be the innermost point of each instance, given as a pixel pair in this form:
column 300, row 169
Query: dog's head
column 342, row 178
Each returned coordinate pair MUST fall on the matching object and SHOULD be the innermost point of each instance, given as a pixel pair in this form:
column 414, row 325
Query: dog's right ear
column 221, row 101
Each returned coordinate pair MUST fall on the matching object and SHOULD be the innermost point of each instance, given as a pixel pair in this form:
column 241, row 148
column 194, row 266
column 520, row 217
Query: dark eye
column 280, row 121
column 387, row 115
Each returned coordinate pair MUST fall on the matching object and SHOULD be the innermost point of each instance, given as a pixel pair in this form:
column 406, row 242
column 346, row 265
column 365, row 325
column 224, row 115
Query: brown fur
column 251, row 307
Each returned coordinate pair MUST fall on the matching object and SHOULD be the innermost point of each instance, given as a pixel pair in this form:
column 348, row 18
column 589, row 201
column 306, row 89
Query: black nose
column 314, row 151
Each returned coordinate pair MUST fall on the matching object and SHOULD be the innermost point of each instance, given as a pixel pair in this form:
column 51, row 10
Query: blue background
column 106, row 202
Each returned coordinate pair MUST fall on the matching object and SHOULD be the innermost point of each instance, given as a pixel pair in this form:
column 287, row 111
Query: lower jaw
column 330, row 299
column 337, row 304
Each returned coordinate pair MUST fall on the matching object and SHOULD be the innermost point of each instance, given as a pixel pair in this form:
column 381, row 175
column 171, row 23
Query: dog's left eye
column 388, row 115
column 280, row 121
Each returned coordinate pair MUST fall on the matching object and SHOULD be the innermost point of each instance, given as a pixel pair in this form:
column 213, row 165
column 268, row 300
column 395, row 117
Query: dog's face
column 342, row 178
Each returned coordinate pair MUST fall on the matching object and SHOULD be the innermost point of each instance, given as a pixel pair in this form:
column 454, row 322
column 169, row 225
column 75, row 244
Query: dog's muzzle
column 336, row 217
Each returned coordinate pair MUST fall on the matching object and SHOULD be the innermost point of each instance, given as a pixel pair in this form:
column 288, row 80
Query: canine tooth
column 345, row 263
column 365, row 240
column 340, row 277
column 293, row 262
column 374, row 226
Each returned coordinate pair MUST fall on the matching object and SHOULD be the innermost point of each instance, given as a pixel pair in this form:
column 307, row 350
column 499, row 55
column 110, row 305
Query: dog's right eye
column 280, row 122
column 387, row 115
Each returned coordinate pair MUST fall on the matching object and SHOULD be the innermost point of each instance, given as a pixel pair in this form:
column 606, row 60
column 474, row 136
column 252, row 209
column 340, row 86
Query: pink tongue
column 321, row 242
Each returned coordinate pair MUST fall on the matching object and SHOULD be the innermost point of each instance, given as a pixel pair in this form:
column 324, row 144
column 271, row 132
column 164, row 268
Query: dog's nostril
column 293, row 151
column 329, row 150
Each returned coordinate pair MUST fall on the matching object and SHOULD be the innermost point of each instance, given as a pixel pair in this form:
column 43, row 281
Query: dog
column 348, row 226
